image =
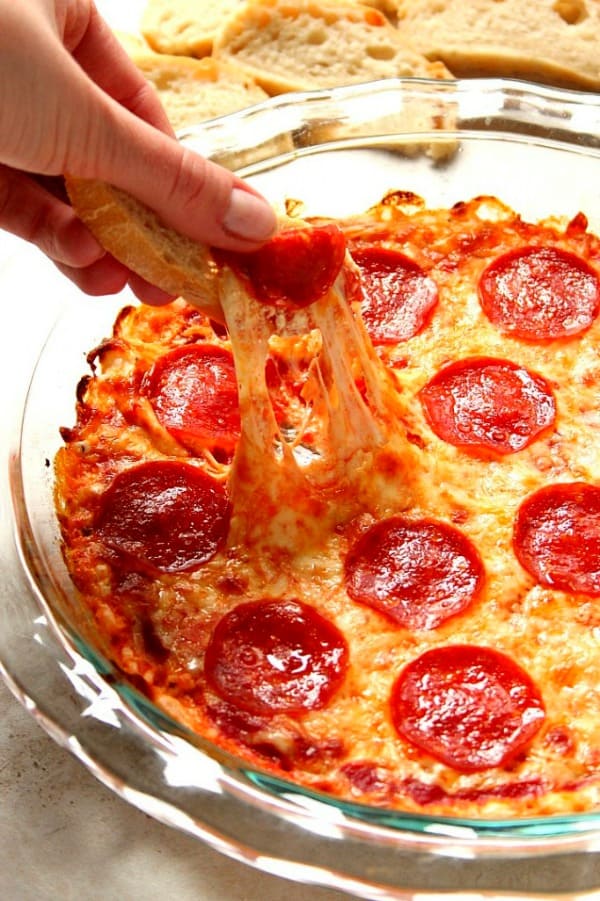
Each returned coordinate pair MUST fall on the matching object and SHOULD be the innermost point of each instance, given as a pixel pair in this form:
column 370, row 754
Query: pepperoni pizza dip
column 352, row 535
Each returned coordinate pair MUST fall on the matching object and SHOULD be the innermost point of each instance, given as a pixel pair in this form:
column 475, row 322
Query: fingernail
column 249, row 217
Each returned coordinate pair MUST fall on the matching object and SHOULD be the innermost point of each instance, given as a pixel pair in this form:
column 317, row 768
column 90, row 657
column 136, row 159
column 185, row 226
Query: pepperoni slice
column 295, row 268
column 469, row 707
column 396, row 296
column 483, row 404
column 538, row 293
column 166, row 515
column 193, row 391
column 556, row 537
column 276, row 656
column 417, row 572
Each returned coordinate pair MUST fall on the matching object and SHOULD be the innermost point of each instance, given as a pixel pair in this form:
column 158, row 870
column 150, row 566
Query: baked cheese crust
column 345, row 441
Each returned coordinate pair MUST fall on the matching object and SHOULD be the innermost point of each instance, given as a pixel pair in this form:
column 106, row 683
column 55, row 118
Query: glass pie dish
column 338, row 152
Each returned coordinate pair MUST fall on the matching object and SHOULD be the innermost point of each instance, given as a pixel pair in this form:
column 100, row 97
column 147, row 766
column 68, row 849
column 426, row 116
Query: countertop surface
column 64, row 835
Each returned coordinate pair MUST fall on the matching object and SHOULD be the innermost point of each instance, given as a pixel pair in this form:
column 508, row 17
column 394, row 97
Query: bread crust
column 136, row 236
column 551, row 41
column 186, row 27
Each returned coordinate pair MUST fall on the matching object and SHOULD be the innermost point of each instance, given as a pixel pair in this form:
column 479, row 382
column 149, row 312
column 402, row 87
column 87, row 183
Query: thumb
column 191, row 194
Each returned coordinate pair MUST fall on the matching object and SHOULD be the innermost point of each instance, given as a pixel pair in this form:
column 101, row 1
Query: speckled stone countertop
column 65, row 836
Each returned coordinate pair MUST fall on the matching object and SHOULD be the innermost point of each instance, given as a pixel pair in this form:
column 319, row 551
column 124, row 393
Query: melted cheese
column 298, row 504
column 361, row 461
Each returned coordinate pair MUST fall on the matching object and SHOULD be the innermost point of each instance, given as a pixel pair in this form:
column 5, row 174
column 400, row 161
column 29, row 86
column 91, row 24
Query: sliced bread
column 133, row 44
column 185, row 27
column 296, row 45
column 136, row 236
column 551, row 41
column 193, row 90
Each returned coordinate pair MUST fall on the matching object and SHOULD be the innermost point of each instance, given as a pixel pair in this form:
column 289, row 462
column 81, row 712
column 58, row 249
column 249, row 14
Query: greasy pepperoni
column 396, row 296
column 193, row 391
column 166, row 515
column 426, row 793
column 368, row 777
column 417, row 572
column 556, row 536
column 294, row 268
column 538, row 293
column 276, row 656
column 484, row 404
column 470, row 707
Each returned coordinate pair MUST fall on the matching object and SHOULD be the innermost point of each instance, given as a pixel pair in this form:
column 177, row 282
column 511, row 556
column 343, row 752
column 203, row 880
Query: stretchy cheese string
column 364, row 461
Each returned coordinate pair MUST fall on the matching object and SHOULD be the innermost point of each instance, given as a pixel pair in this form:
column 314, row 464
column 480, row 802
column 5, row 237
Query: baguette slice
column 133, row 44
column 387, row 7
column 298, row 45
column 193, row 90
column 551, row 41
column 136, row 236
column 185, row 27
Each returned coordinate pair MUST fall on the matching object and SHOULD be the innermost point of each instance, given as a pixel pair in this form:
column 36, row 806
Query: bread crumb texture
column 551, row 41
column 192, row 89
column 184, row 26
column 302, row 45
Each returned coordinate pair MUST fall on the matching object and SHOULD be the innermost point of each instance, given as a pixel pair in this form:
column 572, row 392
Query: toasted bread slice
column 135, row 235
column 297, row 45
column 551, row 41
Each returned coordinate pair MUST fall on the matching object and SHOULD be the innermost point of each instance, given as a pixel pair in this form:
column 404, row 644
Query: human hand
column 72, row 102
